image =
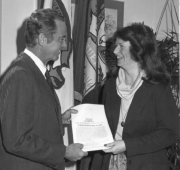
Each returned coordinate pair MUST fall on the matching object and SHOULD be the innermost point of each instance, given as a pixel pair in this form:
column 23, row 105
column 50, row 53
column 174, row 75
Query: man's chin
column 50, row 62
column 56, row 58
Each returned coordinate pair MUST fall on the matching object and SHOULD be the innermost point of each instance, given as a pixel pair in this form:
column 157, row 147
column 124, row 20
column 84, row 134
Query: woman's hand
column 115, row 147
column 66, row 116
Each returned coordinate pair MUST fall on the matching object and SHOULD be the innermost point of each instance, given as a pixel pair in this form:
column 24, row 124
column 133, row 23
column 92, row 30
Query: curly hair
column 144, row 50
column 41, row 21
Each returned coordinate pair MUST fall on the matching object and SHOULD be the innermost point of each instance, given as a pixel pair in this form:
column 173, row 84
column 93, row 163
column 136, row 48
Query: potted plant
column 169, row 53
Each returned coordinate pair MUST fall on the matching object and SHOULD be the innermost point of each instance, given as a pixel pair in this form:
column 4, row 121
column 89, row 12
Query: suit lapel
column 42, row 79
column 36, row 72
column 137, row 103
column 115, row 102
column 116, row 111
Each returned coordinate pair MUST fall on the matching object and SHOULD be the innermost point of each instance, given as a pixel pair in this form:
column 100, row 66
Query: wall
column 12, row 15
column 148, row 11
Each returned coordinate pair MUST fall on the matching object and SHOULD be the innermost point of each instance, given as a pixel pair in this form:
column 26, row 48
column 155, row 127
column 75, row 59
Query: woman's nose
column 116, row 50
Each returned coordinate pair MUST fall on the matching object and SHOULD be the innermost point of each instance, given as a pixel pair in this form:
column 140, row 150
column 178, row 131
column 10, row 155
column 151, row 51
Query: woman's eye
column 120, row 45
column 113, row 47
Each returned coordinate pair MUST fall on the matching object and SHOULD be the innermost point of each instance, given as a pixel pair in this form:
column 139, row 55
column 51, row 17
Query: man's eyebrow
column 62, row 36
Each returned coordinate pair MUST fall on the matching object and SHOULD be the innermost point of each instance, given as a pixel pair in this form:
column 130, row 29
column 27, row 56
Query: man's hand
column 74, row 152
column 66, row 116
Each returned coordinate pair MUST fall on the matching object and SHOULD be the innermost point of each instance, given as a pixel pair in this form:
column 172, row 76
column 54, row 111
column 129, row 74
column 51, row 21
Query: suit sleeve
column 17, row 124
column 166, row 131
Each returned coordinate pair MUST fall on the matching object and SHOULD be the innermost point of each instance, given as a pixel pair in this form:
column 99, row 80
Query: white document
column 90, row 127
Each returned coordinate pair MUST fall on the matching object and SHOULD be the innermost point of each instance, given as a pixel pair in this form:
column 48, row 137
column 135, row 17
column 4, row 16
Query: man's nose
column 64, row 45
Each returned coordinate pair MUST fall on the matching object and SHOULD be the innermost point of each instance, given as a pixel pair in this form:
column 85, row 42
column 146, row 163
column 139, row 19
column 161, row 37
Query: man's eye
column 62, row 39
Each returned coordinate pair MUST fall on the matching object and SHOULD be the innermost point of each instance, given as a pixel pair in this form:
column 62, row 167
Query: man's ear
column 42, row 39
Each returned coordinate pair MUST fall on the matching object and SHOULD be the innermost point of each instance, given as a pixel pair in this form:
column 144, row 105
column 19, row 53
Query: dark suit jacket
column 151, row 126
column 31, row 128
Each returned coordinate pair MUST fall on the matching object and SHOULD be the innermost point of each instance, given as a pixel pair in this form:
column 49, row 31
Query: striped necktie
column 58, row 109
column 48, row 79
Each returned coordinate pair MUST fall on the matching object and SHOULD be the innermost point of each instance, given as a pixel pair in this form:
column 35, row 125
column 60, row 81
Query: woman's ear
column 42, row 39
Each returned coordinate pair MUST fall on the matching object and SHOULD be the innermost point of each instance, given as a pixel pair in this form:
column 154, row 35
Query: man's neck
column 37, row 52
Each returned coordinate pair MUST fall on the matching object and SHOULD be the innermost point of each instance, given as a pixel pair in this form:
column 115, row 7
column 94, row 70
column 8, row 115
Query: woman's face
column 122, row 52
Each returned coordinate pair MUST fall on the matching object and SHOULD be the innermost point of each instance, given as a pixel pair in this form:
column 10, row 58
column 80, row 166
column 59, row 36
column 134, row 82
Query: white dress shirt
column 37, row 61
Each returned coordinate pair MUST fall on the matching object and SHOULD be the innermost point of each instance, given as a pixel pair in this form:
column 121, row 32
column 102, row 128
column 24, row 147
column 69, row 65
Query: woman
column 139, row 106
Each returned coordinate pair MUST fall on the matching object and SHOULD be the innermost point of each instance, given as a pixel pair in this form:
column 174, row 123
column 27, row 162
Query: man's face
column 53, row 48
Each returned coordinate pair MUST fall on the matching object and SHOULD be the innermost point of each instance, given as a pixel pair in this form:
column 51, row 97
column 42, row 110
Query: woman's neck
column 131, row 75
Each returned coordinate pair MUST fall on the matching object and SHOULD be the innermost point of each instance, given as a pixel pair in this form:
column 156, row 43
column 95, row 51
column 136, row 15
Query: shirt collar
column 37, row 61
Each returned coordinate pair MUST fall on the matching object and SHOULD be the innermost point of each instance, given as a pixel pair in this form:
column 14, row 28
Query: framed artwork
column 114, row 16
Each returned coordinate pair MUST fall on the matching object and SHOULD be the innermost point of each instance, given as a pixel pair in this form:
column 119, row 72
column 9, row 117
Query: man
column 31, row 134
